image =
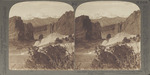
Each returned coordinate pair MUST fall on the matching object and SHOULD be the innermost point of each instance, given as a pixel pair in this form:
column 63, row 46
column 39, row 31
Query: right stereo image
column 108, row 36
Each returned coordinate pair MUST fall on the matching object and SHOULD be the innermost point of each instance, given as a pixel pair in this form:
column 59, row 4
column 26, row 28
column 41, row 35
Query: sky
column 99, row 9
column 39, row 9
column 95, row 10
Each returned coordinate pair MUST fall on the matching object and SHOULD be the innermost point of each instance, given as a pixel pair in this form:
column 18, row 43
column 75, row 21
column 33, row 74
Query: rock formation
column 133, row 23
column 19, row 30
column 16, row 28
column 96, row 31
column 28, row 33
column 86, row 30
column 65, row 24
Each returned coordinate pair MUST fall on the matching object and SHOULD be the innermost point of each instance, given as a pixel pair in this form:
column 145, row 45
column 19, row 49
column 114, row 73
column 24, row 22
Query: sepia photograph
column 99, row 35
column 108, row 36
column 41, row 36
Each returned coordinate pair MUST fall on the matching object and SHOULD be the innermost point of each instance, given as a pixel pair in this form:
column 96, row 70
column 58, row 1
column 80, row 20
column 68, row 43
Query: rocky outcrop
column 96, row 30
column 83, row 25
column 19, row 30
column 16, row 27
column 133, row 23
column 65, row 24
column 86, row 30
column 28, row 33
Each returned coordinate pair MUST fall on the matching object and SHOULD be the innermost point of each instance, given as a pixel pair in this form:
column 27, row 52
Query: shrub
column 116, row 57
column 125, row 55
column 50, row 57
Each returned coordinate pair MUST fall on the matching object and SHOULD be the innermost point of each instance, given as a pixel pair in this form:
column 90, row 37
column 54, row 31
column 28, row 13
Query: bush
column 125, row 55
column 50, row 57
column 116, row 57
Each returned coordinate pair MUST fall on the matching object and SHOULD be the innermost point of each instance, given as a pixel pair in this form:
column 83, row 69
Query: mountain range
column 105, row 21
column 41, row 21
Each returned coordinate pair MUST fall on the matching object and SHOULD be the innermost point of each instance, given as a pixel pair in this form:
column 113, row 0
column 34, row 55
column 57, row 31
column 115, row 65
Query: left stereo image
column 41, row 36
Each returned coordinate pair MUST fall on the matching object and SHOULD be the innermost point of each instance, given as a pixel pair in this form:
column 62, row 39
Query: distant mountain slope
column 105, row 21
column 41, row 21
